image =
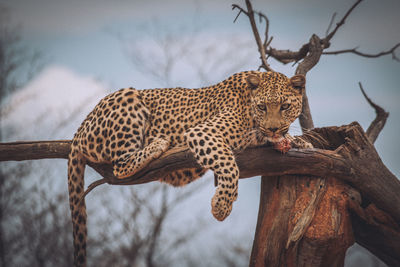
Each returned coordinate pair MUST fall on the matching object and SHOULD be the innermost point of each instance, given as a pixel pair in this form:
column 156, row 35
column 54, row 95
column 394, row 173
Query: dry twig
column 355, row 51
column 341, row 22
column 379, row 122
column 260, row 44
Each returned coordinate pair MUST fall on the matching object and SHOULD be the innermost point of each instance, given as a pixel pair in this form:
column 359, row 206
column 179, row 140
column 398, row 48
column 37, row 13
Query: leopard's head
column 276, row 101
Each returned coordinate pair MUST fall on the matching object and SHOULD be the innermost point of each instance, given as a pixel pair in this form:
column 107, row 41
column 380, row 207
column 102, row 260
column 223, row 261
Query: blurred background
column 59, row 58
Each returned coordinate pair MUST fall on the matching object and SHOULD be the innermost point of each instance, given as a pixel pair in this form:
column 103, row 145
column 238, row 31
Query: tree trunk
column 302, row 221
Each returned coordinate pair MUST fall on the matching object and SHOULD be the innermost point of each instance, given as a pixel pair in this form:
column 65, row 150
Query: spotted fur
column 130, row 128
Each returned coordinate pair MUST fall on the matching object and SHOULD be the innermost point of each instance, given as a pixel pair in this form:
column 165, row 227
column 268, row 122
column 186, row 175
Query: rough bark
column 32, row 150
column 296, row 226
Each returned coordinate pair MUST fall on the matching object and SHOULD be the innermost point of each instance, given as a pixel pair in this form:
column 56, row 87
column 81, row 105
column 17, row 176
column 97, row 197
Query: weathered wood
column 302, row 221
column 32, row 150
column 375, row 231
column 378, row 123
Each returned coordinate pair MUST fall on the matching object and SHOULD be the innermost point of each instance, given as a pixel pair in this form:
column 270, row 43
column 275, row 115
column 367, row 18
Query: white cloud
column 51, row 106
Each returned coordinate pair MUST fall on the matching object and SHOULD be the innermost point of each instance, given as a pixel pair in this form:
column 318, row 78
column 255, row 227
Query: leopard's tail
column 76, row 169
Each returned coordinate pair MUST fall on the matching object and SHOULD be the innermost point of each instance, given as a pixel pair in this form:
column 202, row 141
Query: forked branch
column 262, row 45
column 341, row 22
column 287, row 56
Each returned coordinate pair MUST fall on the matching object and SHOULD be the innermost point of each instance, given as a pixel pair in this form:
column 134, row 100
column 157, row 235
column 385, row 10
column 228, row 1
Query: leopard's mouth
column 273, row 137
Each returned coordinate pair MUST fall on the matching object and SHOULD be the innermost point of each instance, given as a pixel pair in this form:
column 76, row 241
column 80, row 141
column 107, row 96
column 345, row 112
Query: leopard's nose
column 273, row 129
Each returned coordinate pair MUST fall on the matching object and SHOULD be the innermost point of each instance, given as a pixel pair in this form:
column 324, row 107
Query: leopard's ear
column 253, row 81
column 298, row 82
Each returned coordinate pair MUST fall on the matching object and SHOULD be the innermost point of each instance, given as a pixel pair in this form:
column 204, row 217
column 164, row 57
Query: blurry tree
column 139, row 234
column 33, row 224
column 169, row 57
column 17, row 63
column 11, row 190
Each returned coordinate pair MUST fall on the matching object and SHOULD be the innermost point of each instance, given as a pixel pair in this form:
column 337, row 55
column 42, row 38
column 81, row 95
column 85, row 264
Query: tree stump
column 302, row 221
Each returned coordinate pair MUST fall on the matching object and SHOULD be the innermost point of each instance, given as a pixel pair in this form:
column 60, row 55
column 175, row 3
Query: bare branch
column 355, row 51
column 311, row 59
column 93, row 186
column 266, row 41
column 341, row 22
column 18, row 151
column 241, row 10
column 287, row 56
column 379, row 122
column 330, row 24
column 261, row 45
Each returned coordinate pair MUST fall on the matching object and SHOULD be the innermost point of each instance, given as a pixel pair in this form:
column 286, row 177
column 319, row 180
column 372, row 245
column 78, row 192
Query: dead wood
column 31, row 150
column 296, row 225
column 378, row 123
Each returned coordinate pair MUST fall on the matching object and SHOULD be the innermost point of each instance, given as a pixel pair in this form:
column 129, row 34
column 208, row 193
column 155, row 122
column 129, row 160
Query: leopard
column 130, row 128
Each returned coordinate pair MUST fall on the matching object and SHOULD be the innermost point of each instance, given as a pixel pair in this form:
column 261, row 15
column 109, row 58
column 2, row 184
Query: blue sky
column 101, row 38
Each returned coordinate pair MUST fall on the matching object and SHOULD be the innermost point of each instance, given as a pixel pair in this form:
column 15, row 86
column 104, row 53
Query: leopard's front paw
column 298, row 142
column 163, row 146
column 221, row 205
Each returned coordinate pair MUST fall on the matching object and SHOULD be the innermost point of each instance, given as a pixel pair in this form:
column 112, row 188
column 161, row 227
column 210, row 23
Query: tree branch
column 330, row 24
column 261, row 45
column 379, row 122
column 310, row 60
column 355, row 51
column 341, row 22
column 32, row 150
column 287, row 56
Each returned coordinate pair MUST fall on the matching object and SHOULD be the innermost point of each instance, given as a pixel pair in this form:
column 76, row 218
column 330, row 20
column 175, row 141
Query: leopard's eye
column 261, row 107
column 285, row 106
